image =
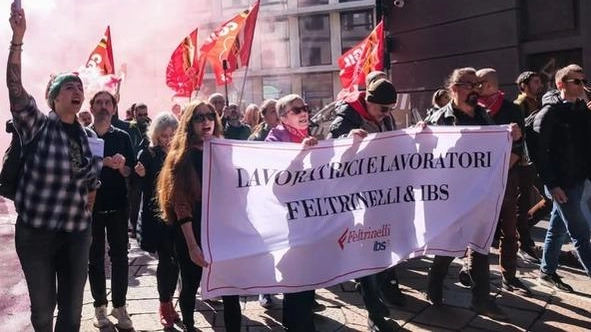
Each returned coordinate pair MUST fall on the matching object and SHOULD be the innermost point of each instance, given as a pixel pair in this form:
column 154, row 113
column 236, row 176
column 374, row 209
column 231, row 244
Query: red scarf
column 296, row 135
column 493, row 102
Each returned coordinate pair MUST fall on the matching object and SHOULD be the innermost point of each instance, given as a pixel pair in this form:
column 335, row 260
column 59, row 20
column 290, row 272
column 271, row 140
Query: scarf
column 296, row 135
column 493, row 102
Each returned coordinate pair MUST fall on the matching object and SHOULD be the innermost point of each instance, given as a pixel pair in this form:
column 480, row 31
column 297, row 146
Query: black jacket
column 446, row 116
column 564, row 142
column 349, row 116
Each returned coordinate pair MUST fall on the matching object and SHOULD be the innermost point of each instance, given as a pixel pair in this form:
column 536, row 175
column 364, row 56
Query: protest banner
column 278, row 217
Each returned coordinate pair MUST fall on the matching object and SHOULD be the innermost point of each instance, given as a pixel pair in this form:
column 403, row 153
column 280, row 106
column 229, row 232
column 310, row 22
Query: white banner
column 281, row 218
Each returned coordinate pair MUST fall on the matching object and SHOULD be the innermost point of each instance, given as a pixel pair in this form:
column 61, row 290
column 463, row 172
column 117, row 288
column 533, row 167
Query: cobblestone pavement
column 546, row 310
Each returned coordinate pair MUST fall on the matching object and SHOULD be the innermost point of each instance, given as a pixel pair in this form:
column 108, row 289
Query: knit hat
column 56, row 83
column 381, row 92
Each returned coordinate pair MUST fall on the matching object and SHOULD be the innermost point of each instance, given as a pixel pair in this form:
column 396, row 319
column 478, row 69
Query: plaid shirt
column 51, row 194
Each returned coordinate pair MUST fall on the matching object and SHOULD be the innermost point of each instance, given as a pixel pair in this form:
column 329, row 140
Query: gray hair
column 285, row 102
column 161, row 122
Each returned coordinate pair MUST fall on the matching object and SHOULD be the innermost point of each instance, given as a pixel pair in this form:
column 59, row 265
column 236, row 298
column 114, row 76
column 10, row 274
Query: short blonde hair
column 562, row 73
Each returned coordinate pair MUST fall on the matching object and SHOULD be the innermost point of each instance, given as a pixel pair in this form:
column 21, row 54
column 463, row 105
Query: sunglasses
column 469, row 85
column 202, row 117
column 297, row 110
column 576, row 81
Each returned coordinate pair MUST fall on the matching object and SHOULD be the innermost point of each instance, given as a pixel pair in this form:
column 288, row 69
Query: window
column 235, row 3
column 275, row 87
column 275, row 46
column 355, row 26
column 317, row 90
column 315, row 40
column 305, row 3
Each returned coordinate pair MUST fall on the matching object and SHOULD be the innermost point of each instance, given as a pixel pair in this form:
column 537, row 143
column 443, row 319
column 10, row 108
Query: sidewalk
column 546, row 310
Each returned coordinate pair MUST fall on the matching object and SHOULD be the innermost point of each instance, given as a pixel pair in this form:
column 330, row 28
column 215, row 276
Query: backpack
column 14, row 161
column 531, row 137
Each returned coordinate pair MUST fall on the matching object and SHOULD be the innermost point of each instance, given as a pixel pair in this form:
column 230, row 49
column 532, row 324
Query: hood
column 551, row 97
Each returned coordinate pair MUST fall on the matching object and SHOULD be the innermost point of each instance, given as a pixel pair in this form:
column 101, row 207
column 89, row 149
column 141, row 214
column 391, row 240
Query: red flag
column 232, row 42
column 363, row 58
column 183, row 73
column 102, row 56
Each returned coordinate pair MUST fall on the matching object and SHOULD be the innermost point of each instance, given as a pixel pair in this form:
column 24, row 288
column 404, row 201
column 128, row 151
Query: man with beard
column 110, row 214
column 463, row 109
column 503, row 111
column 218, row 101
column 530, row 101
column 234, row 128
column 139, row 141
column 85, row 118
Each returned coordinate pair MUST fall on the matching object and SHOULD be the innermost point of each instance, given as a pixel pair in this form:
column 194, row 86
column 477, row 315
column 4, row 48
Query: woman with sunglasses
column 179, row 196
column 298, row 308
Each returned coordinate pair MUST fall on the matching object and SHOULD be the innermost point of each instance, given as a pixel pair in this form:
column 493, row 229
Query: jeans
column 115, row 224
column 567, row 219
column 47, row 256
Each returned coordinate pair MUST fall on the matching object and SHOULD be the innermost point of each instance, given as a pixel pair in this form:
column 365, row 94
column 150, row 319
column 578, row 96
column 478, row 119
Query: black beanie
column 381, row 92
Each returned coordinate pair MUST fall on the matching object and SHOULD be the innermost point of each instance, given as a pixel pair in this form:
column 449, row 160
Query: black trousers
column 478, row 268
column 190, row 278
column 297, row 311
column 115, row 225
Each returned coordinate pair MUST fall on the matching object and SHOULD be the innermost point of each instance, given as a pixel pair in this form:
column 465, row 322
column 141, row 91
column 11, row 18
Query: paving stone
column 445, row 316
column 519, row 320
column 417, row 327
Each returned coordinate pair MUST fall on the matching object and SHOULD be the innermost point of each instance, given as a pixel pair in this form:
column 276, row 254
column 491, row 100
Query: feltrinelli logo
column 363, row 234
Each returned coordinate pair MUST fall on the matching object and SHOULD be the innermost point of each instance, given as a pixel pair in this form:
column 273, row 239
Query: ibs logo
column 369, row 233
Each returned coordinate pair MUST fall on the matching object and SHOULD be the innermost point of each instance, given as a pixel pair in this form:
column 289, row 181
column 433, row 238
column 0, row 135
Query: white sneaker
column 123, row 320
column 100, row 317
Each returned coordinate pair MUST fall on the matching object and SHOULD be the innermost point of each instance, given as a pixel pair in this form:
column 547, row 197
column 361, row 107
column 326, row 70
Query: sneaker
column 554, row 281
column 123, row 320
column 100, row 317
column 391, row 294
column 514, row 284
column 489, row 309
column 266, row 301
column 529, row 255
column 465, row 278
column 379, row 324
column 318, row 307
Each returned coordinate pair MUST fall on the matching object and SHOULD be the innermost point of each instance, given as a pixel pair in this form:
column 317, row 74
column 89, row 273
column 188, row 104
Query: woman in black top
column 153, row 233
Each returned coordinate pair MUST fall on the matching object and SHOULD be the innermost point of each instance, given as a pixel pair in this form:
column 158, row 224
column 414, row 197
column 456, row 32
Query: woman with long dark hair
column 179, row 196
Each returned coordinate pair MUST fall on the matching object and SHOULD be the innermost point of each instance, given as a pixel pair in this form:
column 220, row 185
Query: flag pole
column 225, row 66
column 243, row 84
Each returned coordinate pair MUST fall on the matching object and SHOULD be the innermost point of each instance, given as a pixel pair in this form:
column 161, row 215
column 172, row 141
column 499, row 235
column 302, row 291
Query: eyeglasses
column 297, row 110
column 469, row 85
column 576, row 81
column 202, row 117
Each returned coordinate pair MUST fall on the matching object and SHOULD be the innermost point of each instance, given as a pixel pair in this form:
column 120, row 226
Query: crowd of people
column 144, row 182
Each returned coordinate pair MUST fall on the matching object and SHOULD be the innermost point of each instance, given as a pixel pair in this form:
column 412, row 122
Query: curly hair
column 178, row 179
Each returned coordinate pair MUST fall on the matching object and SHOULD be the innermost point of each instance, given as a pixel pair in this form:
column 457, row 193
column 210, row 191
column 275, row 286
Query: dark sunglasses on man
column 297, row 110
column 576, row 81
column 201, row 117
column 385, row 109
